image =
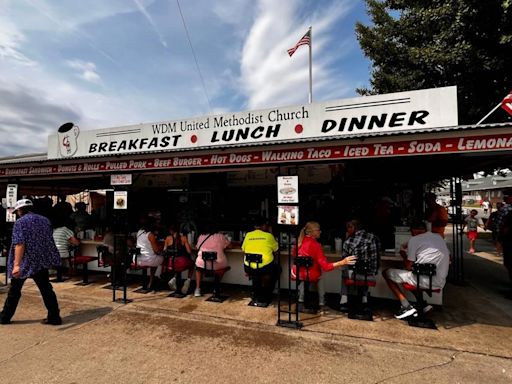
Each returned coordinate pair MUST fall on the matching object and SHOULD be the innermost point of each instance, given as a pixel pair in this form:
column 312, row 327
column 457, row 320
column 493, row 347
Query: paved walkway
column 159, row 339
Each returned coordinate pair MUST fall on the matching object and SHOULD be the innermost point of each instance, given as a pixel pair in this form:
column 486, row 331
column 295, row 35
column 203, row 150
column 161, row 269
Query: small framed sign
column 288, row 214
column 288, row 189
column 123, row 179
column 120, row 200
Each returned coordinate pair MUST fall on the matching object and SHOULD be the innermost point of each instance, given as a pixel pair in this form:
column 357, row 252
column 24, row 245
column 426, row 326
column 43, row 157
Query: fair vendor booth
column 349, row 155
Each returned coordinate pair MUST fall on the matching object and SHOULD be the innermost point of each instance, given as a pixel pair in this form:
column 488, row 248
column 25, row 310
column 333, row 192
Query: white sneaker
column 197, row 292
column 172, row 284
column 186, row 286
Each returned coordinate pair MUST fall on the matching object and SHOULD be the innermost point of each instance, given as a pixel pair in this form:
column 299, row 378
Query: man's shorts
column 472, row 235
column 401, row 276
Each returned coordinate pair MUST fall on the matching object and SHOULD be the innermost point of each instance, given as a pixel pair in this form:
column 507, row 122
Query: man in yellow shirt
column 262, row 242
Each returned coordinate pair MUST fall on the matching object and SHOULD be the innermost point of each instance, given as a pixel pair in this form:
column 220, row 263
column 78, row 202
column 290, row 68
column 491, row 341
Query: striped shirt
column 61, row 237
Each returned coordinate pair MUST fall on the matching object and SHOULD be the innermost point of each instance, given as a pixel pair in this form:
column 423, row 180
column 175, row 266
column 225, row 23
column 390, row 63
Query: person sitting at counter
column 361, row 244
column 180, row 244
column 423, row 247
column 64, row 237
column 261, row 242
column 150, row 250
column 309, row 246
column 210, row 240
column 81, row 218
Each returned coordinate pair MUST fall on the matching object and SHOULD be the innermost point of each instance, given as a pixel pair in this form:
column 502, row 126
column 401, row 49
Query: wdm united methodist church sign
column 348, row 118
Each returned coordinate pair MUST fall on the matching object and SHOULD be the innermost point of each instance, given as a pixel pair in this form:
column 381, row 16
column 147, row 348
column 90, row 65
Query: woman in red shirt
column 309, row 246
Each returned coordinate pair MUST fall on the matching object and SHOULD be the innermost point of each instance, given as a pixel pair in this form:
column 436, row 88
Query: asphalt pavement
column 158, row 339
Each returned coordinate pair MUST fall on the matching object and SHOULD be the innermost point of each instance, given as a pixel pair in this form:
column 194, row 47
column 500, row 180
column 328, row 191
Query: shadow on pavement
column 76, row 318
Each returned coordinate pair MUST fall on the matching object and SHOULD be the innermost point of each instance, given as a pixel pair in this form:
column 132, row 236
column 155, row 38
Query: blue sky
column 107, row 63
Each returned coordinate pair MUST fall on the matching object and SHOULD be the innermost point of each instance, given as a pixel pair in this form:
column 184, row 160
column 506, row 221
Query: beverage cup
column 67, row 136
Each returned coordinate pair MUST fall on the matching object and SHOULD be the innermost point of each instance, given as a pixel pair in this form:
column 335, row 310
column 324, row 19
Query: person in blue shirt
column 32, row 252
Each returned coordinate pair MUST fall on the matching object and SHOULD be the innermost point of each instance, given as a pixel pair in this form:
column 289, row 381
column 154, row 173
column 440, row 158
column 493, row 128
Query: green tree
column 417, row 44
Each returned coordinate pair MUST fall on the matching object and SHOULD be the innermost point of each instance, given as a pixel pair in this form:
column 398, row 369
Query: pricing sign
column 288, row 189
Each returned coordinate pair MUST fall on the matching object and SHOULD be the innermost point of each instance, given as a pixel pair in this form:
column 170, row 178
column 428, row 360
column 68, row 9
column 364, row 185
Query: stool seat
column 410, row 287
column 360, row 283
column 180, row 264
column 222, row 271
column 83, row 259
column 294, row 276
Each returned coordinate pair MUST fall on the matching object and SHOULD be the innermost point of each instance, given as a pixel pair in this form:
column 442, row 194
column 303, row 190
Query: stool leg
column 144, row 278
column 86, row 273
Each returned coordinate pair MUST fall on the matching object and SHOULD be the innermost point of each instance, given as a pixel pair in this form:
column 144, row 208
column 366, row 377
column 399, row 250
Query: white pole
column 486, row 116
column 310, row 66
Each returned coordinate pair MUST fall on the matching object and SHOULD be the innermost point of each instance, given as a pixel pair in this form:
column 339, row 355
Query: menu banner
column 476, row 143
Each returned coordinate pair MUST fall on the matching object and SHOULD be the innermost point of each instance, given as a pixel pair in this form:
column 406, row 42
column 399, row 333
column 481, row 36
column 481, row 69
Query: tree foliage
column 417, row 44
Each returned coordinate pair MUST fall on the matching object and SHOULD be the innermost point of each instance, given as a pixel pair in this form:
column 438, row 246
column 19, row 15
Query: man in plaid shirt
column 365, row 246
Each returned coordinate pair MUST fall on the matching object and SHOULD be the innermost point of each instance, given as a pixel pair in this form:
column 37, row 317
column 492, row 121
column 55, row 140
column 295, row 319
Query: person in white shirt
column 423, row 248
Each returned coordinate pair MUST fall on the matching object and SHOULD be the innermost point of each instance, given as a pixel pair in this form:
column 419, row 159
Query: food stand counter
column 237, row 274
column 332, row 279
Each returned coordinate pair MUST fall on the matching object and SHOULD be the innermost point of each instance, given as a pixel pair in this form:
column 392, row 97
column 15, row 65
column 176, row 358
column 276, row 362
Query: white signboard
column 120, row 200
column 125, row 179
column 11, row 197
column 380, row 114
column 287, row 189
column 288, row 214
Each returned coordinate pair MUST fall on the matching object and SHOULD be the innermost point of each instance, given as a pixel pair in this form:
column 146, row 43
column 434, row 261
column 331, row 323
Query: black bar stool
column 420, row 320
column 216, row 274
column 362, row 268
column 76, row 259
column 256, row 279
column 133, row 254
column 305, row 262
column 170, row 255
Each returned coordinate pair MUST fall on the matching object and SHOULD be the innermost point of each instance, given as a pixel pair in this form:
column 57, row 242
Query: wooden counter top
column 93, row 242
column 329, row 255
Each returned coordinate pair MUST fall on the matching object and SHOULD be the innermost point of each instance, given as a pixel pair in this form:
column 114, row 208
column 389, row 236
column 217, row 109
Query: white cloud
column 11, row 41
column 87, row 70
column 268, row 75
column 150, row 20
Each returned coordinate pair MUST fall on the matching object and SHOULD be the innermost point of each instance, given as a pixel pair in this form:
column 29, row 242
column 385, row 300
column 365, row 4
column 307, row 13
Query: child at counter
column 179, row 244
column 210, row 240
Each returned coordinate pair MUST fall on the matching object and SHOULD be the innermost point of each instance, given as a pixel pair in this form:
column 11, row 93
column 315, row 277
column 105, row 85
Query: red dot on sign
column 193, row 138
column 299, row 128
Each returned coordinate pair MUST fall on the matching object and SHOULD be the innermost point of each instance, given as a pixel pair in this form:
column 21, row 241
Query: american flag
column 506, row 103
column 305, row 40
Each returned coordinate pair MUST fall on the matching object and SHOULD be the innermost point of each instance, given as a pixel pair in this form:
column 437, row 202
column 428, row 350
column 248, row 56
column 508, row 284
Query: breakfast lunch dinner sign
column 347, row 118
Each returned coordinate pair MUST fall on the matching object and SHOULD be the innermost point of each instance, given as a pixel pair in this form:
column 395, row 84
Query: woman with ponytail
column 309, row 246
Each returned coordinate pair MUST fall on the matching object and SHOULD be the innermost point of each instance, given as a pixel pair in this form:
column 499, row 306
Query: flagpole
column 486, row 116
column 310, row 66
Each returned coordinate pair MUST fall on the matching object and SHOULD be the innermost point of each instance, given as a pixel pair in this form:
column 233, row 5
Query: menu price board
column 288, row 189
column 11, row 197
column 123, row 179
